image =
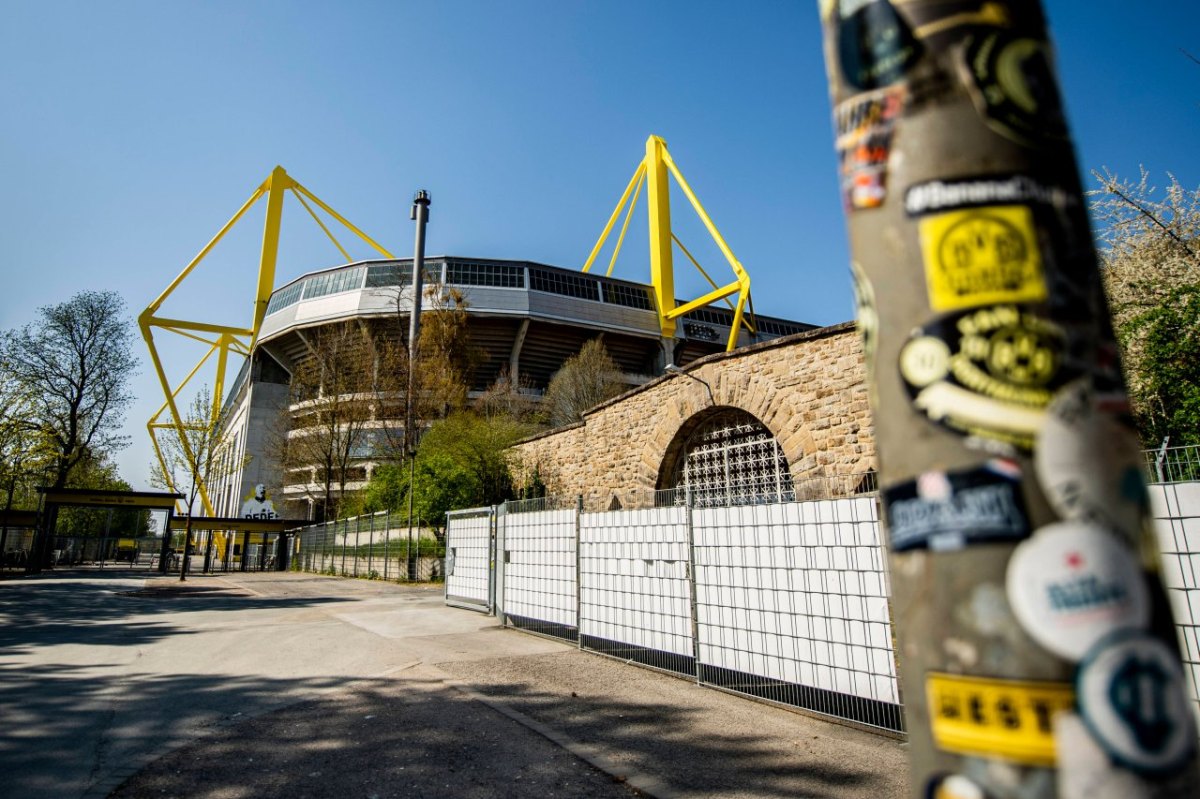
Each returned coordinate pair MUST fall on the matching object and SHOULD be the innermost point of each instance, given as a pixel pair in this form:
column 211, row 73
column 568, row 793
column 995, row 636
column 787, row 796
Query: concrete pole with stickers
column 1036, row 648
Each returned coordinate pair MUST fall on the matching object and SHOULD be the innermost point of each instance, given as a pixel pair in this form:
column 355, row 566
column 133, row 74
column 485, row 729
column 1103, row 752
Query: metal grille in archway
column 733, row 459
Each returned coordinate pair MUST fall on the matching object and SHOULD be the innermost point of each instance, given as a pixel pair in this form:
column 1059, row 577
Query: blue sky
column 132, row 130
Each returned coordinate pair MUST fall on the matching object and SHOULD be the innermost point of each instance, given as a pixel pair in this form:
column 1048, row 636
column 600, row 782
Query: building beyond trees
column 523, row 321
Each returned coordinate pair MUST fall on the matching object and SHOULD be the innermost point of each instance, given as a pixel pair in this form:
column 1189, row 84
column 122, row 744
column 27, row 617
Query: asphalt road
column 265, row 685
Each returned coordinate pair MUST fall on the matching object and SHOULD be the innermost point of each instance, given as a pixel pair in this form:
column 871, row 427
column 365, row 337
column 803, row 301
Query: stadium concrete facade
column 525, row 318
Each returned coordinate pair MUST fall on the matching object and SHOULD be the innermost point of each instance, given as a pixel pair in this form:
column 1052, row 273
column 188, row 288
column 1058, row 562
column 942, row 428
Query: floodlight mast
column 225, row 339
column 654, row 173
column 1035, row 645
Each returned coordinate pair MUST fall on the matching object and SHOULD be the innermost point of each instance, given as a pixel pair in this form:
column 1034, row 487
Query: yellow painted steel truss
column 224, row 339
column 652, row 173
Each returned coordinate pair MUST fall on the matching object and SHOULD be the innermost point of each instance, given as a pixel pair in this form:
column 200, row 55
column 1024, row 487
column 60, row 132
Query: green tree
column 462, row 462
column 332, row 406
column 1150, row 248
column 101, row 474
column 74, row 364
column 584, row 381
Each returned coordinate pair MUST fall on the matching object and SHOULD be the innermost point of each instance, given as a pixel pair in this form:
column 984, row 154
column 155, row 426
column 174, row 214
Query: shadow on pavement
column 421, row 738
column 97, row 608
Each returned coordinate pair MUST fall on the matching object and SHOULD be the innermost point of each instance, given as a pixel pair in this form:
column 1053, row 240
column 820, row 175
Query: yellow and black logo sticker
column 988, row 372
column 1006, row 719
column 1013, row 86
column 981, row 256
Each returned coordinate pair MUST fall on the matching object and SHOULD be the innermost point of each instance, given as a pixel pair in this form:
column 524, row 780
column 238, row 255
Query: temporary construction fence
column 1176, row 511
column 786, row 602
column 376, row 546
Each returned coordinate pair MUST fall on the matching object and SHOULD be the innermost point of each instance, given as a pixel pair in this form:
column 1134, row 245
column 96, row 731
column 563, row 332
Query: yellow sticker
column 1007, row 719
column 981, row 256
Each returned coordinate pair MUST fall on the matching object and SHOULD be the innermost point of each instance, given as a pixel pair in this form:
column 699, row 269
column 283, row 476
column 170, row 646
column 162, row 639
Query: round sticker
column 1073, row 583
column 988, row 372
column 953, row 786
column 1013, row 85
column 1132, row 698
column 875, row 45
column 1089, row 463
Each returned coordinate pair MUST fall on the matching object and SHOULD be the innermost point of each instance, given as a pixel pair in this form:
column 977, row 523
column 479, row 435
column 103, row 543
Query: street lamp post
column 1035, row 645
column 419, row 214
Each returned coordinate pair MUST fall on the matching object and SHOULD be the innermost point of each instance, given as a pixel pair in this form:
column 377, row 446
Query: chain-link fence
column 378, row 546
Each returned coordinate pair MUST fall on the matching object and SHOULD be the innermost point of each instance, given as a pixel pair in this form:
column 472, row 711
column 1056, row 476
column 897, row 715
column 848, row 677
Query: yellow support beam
column 654, row 173
column 229, row 339
column 658, row 209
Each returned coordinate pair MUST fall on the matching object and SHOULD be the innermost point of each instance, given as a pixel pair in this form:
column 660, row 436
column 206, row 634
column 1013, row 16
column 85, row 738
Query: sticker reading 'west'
column 981, row 256
column 1007, row 719
column 944, row 511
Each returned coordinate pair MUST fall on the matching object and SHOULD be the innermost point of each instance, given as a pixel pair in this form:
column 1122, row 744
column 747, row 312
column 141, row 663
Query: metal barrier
column 470, row 572
column 1176, row 511
column 1173, row 464
column 372, row 546
column 783, row 602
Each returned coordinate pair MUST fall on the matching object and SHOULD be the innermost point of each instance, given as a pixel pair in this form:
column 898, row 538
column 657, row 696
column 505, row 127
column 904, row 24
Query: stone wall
column 808, row 389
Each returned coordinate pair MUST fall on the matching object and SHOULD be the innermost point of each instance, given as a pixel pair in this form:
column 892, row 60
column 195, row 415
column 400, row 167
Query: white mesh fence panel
column 1176, row 511
column 468, row 557
column 795, row 594
column 634, row 586
column 539, row 571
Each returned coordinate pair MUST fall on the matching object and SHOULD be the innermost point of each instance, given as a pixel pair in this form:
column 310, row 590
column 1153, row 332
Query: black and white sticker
column 988, row 372
column 1089, row 463
column 1132, row 698
column 1073, row 583
column 945, row 511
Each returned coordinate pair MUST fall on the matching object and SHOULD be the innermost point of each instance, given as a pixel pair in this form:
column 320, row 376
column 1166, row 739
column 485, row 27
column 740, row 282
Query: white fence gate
column 469, row 554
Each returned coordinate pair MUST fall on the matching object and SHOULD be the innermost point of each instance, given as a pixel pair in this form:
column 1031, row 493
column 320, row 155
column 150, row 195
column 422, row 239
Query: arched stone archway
column 726, row 456
column 757, row 396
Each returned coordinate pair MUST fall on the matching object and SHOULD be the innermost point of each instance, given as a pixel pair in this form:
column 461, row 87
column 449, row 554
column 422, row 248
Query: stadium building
column 525, row 318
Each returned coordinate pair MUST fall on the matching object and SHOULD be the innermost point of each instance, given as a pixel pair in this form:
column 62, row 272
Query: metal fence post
column 691, row 568
column 387, row 540
column 371, row 548
column 492, row 566
column 579, row 571
column 345, row 540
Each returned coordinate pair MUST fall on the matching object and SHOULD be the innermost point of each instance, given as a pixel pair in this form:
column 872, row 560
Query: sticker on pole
column 864, row 127
column 1007, row 719
column 945, row 511
column 1012, row 85
column 1072, row 584
column 875, row 45
column 1132, row 699
column 981, row 256
column 988, row 372
column 1089, row 464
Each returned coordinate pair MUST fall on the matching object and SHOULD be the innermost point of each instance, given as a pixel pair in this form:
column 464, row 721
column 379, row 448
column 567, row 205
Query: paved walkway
column 287, row 685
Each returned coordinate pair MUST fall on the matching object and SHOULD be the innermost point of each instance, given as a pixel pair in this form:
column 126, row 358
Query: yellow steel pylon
column 224, row 339
column 653, row 173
